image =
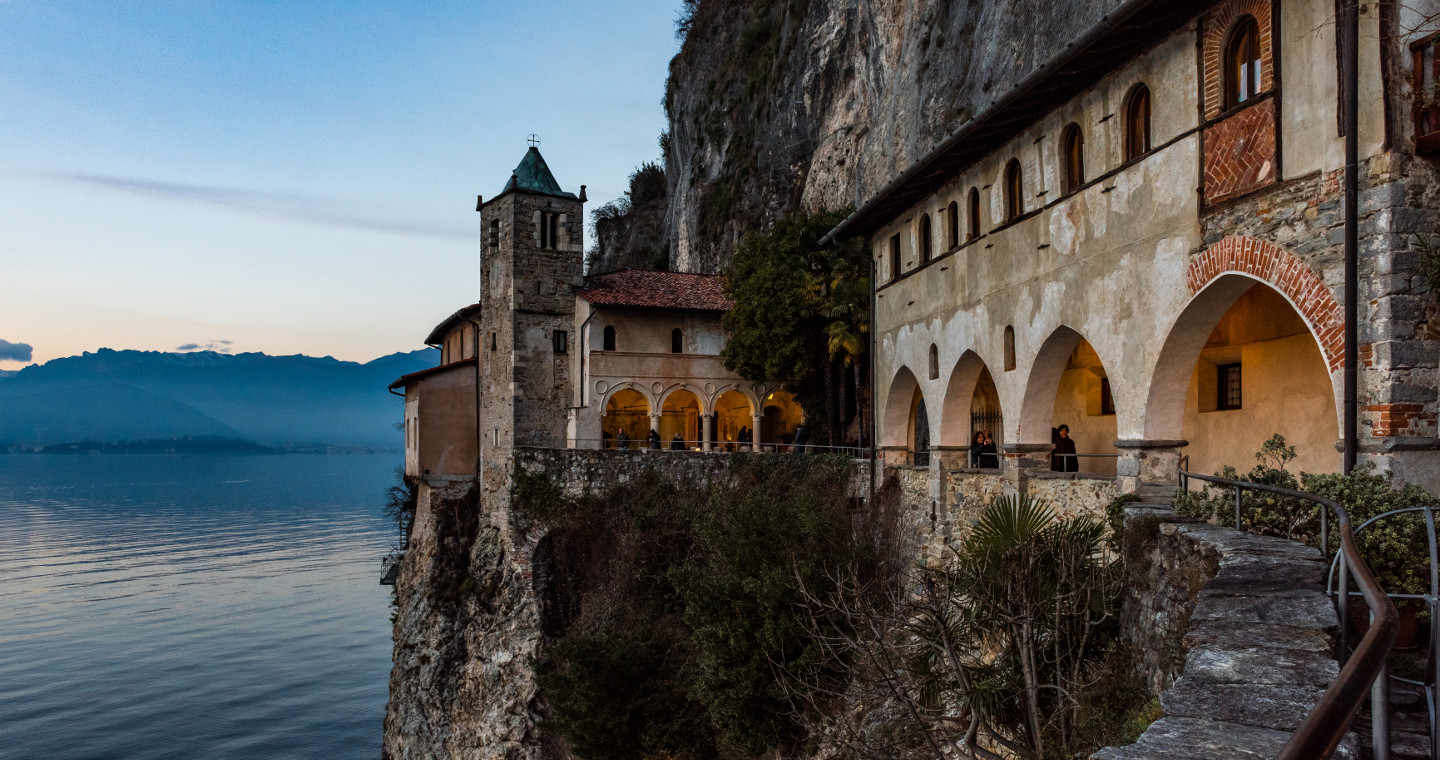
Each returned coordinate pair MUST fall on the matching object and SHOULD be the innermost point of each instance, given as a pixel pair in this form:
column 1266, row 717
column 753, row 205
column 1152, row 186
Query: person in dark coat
column 676, row 444
column 622, row 441
column 990, row 455
column 744, row 435
column 1063, row 458
column 977, row 449
column 802, row 434
column 654, row 440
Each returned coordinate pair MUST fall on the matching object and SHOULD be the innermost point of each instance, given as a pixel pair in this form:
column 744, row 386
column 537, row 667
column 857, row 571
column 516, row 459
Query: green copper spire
column 532, row 175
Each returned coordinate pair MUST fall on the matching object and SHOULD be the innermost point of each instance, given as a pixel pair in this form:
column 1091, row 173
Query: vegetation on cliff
column 629, row 231
column 802, row 316
column 671, row 608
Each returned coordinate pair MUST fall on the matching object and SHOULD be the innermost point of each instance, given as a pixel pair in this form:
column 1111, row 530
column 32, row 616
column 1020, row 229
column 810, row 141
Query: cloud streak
column 305, row 209
column 218, row 346
column 15, row 352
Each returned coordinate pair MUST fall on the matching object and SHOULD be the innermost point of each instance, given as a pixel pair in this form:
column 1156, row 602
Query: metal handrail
column 1325, row 726
column 718, row 447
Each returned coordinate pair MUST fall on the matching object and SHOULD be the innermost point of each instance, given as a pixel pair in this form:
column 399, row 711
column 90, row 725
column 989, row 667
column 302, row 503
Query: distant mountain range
column 196, row 399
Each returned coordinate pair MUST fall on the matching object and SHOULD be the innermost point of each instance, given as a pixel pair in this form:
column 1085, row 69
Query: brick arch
column 1281, row 270
column 1217, row 28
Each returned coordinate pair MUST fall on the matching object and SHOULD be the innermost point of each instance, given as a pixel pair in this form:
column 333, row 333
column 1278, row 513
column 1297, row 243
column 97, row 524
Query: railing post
column 1237, row 508
column 1380, row 711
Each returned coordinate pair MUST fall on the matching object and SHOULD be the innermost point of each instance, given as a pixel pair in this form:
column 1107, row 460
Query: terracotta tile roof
column 406, row 380
column 656, row 290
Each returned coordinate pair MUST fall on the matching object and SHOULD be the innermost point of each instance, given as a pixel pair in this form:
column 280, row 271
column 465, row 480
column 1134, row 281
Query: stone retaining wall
column 1245, row 624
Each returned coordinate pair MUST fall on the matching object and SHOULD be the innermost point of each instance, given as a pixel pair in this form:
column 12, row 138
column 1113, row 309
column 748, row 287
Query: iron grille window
column 562, row 341
column 1107, row 402
column 1229, row 387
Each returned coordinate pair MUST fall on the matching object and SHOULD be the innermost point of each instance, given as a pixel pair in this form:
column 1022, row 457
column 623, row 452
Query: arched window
column 894, row 257
column 1014, row 191
column 609, row 338
column 1242, row 62
column 925, row 238
column 934, row 362
column 1074, row 144
column 1137, row 122
column 974, row 229
column 1009, row 348
column 677, row 341
column 952, row 225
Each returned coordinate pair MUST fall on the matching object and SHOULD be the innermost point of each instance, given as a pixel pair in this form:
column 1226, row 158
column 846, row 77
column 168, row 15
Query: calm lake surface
column 193, row 606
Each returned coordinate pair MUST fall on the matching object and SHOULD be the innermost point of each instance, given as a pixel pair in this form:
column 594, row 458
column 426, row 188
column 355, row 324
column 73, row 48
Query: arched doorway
column 902, row 402
column 1240, row 365
column 1070, row 388
column 779, row 417
column 627, row 411
column 680, row 416
column 919, row 431
column 733, row 415
column 972, row 404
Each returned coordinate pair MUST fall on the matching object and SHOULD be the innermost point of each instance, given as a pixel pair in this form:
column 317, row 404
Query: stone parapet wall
column 1234, row 630
column 1073, row 495
column 579, row 471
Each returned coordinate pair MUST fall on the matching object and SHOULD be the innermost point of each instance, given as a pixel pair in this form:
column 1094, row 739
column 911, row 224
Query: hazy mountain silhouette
column 277, row 401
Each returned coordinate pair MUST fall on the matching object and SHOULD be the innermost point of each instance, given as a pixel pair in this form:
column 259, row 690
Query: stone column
column 1019, row 460
column 707, row 426
column 655, row 422
column 755, row 432
column 1145, row 462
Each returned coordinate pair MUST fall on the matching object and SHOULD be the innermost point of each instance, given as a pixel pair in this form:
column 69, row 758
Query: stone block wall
column 579, row 471
column 1073, row 495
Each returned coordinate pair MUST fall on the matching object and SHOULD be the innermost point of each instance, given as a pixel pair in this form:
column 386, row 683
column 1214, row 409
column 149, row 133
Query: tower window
column 974, row 230
column 952, row 225
column 562, row 341
column 1074, row 145
column 1014, row 191
column 1242, row 62
column 1228, row 385
column 925, row 238
column 677, row 341
column 894, row 257
column 1137, row 122
column 492, row 341
column 609, row 344
column 494, row 234
column 549, row 229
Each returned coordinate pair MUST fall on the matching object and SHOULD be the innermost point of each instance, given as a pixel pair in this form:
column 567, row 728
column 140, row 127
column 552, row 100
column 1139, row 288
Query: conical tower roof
column 532, row 175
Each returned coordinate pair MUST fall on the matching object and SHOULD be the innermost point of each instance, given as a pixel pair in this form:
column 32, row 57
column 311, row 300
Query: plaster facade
column 1154, row 252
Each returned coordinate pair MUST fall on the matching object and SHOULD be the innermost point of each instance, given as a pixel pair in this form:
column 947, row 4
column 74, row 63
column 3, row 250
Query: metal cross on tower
column 534, row 141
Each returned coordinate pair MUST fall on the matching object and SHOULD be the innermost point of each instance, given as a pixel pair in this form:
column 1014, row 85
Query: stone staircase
column 1258, row 648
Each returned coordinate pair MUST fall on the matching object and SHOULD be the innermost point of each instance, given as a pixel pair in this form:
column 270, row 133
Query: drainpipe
column 1350, row 48
column 874, row 402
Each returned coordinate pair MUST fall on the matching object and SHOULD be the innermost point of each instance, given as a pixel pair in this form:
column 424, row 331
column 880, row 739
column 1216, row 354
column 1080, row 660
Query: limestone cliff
column 811, row 103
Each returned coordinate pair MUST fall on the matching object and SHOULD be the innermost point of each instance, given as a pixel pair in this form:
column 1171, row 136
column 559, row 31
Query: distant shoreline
column 197, row 445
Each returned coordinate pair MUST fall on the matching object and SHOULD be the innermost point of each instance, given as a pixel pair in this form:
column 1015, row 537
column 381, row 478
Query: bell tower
column 531, row 261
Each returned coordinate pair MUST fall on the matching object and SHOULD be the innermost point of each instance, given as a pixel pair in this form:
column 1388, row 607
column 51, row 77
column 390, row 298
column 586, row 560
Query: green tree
column 801, row 313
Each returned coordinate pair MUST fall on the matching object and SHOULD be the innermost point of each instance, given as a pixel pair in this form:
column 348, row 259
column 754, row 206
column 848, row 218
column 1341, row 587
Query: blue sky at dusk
column 291, row 177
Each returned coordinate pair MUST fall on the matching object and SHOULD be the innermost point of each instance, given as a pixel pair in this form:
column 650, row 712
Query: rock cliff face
column 777, row 106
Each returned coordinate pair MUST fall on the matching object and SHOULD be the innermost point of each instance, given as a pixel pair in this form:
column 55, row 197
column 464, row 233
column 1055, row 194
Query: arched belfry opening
column 1241, row 364
column 1069, row 388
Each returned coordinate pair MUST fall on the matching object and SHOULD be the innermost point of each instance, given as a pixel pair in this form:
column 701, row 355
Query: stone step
column 1281, row 707
column 1225, row 664
column 1176, row 738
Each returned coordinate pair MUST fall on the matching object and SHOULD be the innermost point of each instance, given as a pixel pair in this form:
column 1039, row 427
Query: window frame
column 1139, row 96
column 895, row 257
column 608, row 339
column 952, row 225
column 1014, row 190
column 1222, row 387
column 973, row 230
column 927, row 233
column 1072, row 144
column 560, row 341
column 1246, row 29
column 677, row 341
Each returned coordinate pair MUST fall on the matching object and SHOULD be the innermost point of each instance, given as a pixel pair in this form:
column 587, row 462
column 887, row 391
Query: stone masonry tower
column 533, row 249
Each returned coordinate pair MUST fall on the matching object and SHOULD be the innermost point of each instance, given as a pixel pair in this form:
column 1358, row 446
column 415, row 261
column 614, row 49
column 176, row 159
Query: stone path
column 1259, row 649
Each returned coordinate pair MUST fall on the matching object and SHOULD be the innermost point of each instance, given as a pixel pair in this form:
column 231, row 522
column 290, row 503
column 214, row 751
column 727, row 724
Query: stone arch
column 1165, row 403
column 741, row 388
column 898, row 403
column 959, row 395
column 1282, row 271
column 615, row 388
column 1038, row 404
column 706, row 404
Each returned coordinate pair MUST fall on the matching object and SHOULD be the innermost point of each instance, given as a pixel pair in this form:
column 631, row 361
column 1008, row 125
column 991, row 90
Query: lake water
column 193, row 606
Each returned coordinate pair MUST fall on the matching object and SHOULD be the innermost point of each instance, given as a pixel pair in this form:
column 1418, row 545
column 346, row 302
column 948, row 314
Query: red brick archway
column 1287, row 274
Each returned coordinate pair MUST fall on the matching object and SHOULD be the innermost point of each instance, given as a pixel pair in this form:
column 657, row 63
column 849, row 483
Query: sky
column 291, row 177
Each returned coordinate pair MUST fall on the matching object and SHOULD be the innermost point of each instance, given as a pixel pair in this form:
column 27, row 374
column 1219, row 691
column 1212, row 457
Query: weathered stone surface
column 1221, row 664
column 1200, row 739
column 1258, row 635
column 1281, row 707
column 1311, row 609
